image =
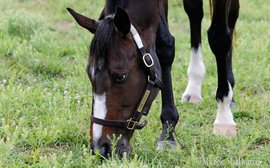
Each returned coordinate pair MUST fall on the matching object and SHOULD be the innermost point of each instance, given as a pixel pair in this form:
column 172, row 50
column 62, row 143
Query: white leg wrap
column 224, row 123
column 196, row 74
column 224, row 114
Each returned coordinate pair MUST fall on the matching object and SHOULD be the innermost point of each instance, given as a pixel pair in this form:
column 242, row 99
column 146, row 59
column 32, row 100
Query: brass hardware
column 151, row 58
column 144, row 99
column 131, row 124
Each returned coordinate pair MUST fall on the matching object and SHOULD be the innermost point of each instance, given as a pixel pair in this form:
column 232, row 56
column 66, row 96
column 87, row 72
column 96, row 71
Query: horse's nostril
column 122, row 148
column 122, row 144
column 105, row 150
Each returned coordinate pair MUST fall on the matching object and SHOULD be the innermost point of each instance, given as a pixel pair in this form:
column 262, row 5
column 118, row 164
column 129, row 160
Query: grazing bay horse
column 130, row 60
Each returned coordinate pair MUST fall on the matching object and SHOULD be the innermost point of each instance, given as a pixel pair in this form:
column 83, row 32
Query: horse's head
column 124, row 77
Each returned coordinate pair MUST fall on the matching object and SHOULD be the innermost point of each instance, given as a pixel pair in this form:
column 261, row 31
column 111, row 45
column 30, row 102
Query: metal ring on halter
column 145, row 62
column 151, row 81
column 131, row 124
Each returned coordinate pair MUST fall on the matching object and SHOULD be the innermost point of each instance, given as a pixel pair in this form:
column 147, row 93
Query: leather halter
column 144, row 103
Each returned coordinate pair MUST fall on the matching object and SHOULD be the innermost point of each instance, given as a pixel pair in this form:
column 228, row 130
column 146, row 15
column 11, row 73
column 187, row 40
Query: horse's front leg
column 196, row 68
column 220, row 40
column 169, row 115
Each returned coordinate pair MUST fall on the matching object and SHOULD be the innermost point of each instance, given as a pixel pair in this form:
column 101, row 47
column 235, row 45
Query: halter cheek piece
column 144, row 103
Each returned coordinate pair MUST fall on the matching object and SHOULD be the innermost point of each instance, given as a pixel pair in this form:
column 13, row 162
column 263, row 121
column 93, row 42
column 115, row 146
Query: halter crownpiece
column 136, row 36
column 147, row 58
column 144, row 104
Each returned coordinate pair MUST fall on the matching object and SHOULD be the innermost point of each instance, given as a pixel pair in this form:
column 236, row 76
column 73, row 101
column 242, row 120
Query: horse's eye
column 119, row 78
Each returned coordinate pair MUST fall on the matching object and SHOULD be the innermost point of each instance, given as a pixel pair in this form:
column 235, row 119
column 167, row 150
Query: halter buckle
column 131, row 124
column 151, row 59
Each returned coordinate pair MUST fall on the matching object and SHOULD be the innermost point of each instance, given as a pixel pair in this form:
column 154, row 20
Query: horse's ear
column 84, row 21
column 121, row 21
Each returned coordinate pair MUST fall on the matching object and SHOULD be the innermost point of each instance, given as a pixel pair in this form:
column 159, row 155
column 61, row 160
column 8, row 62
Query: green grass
column 45, row 94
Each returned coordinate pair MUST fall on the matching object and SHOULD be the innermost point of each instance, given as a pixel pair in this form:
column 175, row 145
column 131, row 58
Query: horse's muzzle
column 121, row 148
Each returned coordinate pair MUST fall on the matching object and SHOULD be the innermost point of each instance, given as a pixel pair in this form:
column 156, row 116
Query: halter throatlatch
column 144, row 104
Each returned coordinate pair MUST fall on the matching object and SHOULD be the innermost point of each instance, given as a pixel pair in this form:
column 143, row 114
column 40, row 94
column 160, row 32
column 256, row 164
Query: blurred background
column 45, row 94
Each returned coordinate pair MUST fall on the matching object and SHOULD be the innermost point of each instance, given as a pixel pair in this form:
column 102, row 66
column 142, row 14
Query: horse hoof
column 225, row 130
column 191, row 99
column 165, row 145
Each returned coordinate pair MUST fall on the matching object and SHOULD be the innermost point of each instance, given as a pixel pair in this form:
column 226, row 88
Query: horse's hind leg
column 196, row 68
column 165, row 51
column 220, row 40
column 233, row 16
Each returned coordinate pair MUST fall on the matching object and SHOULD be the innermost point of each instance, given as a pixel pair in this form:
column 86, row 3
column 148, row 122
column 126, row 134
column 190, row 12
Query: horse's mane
column 103, row 42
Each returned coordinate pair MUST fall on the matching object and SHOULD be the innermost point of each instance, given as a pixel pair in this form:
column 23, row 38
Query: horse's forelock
column 103, row 41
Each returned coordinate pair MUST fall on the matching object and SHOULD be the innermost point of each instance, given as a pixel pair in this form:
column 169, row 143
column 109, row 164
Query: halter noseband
column 144, row 104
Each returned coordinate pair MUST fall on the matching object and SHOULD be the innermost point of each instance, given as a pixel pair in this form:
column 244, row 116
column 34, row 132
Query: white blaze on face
column 224, row 114
column 196, row 73
column 100, row 112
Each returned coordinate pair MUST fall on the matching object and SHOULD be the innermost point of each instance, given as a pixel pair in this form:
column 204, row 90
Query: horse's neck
column 111, row 5
column 142, row 13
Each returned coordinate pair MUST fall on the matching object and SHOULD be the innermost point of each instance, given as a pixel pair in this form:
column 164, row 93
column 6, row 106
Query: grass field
column 45, row 94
